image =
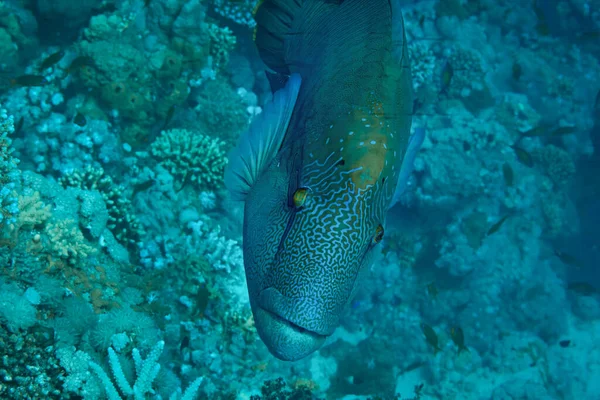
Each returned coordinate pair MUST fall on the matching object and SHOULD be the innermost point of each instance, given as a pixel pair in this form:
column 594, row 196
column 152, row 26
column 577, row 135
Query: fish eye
column 378, row 234
column 299, row 197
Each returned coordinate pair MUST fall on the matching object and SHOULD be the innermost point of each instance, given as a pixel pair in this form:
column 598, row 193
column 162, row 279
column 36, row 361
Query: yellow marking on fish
column 368, row 149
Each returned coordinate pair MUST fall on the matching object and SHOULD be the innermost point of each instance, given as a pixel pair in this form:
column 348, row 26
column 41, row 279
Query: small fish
column 79, row 62
column 517, row 71
column 508, row 173
column 568, row 259
column 563, row 130
column 19, row 126
column 422, row 21
column 431, row 337
column 142, row 187
column 542, row 25
column 79, row 120
column 540, row 130
column 564, row 343
column 51, row 60
column 458, row 337
column 447, row 74
column 147, row 3
column 169, row 116
column 523, row 156
column 583, row 288
column 496, row 227
column 432, row 290
column 29, row 81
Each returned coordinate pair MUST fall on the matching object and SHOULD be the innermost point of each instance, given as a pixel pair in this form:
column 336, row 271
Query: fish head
column 304, row 250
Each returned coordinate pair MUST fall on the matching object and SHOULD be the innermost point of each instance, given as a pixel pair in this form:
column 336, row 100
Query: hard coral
column 191, row 157
column 221, row 110
column 222, row 41
column 556, row 163
column 121, row 219
column 239, row 12
column 9, row 172
column 67, row 242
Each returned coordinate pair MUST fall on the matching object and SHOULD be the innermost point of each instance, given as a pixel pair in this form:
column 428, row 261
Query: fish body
column 568, row 259
column 508, row 173
column 320, row 166
column 431, row 337
column 80, row 62
column 51, row 60
column 523, row 156
column 432, row 290
column 496, row 227
column 79, row 120
column 29, row 81
column 446, row 78
column 582, row 288
column 458, row 337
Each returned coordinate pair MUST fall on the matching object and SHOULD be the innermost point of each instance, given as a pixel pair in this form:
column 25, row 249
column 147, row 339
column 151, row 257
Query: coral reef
column 191, row 157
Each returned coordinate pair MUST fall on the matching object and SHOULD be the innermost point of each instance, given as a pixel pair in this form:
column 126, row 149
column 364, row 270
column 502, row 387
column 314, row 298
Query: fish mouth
column 303, row 315
column 285, row 339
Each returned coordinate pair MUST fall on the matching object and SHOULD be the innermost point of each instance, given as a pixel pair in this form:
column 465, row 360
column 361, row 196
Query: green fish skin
column 321, row 165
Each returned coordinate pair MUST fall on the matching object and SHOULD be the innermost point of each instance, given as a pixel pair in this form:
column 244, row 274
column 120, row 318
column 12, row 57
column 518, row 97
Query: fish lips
column 305, row 314
column 285, row 336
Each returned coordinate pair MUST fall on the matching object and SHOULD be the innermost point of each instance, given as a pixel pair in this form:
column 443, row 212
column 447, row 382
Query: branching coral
column 66, row 241
column 32, row 211
column 146, row 371
column 121, row 219
column 239, row 11
column 191, row 157
column 222, row 42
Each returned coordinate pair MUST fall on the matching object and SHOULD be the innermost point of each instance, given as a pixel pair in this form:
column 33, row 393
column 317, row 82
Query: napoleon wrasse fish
column 321, row 165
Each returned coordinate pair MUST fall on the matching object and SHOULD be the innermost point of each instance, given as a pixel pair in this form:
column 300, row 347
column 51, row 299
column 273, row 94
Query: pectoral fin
column 414, row 145
column 259, row 144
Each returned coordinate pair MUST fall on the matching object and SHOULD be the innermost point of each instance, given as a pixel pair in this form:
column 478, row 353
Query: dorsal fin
column 274, row 20
column 259, row 145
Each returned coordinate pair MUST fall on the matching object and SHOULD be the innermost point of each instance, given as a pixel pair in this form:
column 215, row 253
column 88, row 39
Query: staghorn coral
column 191, row 157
